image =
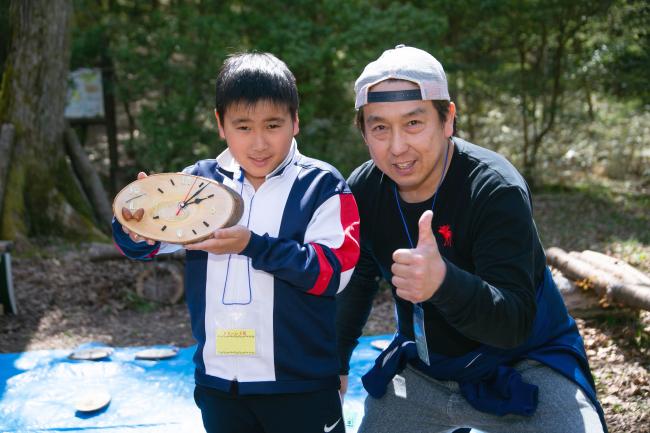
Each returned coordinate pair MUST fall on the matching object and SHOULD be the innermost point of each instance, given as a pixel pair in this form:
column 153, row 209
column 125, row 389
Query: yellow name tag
column 236, row 342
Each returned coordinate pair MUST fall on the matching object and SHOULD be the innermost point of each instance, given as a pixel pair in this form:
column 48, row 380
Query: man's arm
column 495, row 304
column 353, row 306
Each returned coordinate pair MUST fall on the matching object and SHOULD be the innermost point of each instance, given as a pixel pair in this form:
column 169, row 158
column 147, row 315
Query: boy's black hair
column 253, row 77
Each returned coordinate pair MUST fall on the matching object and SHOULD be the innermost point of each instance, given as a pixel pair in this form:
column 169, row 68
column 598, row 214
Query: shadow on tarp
column 39, row 389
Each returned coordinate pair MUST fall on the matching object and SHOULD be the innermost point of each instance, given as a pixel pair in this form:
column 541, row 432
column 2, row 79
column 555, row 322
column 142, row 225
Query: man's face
column 407, row 141
column 259, row 136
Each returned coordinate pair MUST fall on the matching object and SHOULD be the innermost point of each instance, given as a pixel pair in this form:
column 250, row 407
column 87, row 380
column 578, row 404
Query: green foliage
column 517, row 69
column 624, row 50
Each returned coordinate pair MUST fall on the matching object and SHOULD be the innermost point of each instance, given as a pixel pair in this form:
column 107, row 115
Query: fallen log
column 619, row 268
column 583, row 303
column 97, row 252
column 161, row 282
column 575, row 299
column 632, row 295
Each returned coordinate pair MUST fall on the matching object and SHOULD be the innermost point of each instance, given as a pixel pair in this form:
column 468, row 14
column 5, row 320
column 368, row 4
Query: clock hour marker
column 163, row 228
column 206, row 224
column 161, row 191
column 172, row 181
column 201, row 184
column 193, row 231
column 156, row 217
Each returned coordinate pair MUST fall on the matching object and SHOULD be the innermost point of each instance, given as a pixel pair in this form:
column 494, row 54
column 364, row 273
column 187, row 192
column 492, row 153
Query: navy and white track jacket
column 304, row 246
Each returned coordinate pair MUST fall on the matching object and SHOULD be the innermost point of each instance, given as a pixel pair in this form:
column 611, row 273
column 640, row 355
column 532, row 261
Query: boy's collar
column 228, row 165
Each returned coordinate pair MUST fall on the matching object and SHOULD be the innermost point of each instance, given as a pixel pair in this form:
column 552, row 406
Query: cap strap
column 395, row 95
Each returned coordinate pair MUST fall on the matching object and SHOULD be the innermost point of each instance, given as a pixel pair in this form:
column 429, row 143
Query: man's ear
column 219, row 126
column 449, row 123
column 296, row 125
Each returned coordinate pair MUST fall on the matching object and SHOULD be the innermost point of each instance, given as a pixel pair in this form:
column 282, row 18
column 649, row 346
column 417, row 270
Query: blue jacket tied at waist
column 486, row 376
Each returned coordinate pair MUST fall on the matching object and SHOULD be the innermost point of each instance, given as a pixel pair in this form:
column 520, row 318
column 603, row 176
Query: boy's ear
column 296, row 125
column 219, row 125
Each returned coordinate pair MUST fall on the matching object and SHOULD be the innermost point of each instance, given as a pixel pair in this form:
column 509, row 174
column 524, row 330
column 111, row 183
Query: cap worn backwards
column 402, row 63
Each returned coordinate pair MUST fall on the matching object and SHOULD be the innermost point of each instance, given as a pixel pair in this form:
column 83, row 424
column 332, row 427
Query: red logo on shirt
column 445, row 231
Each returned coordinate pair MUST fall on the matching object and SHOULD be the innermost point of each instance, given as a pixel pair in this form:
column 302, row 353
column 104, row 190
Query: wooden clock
column 177, row 208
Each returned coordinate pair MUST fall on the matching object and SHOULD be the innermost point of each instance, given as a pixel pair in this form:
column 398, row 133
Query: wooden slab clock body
column 178, row 208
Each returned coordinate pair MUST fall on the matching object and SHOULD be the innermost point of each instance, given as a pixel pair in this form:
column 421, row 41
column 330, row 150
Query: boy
column 276, row 273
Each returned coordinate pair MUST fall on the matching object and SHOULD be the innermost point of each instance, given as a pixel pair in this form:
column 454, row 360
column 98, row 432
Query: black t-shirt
column 485, row 232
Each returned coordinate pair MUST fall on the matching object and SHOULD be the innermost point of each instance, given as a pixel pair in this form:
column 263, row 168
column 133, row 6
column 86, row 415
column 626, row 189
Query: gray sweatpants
column 420, row 404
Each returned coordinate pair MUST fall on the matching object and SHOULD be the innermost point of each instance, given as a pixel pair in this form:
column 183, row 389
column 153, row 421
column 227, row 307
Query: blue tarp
column 38, row 391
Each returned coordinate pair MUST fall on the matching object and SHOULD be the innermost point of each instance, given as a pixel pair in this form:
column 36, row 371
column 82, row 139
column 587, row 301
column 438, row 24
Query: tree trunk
column 42, row 196
column 7, row 133
column 89, row 179
column 110, row 119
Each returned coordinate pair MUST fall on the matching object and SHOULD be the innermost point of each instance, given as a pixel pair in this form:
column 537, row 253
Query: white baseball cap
column 402, row 63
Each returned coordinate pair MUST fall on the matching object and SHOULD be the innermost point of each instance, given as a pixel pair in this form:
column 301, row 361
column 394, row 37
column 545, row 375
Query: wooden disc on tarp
column 380, row 344
column 92, row 401
column 157, row 353
column 93, row 354
column 161, row 282
column 177, row 208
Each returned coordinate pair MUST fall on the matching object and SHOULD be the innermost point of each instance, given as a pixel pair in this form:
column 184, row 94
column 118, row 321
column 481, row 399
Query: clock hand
column 198, row 200
column 180, row 205
column 198, row 191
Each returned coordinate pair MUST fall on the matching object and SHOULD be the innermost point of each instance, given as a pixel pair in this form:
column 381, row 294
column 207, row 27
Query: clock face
column 178, row 208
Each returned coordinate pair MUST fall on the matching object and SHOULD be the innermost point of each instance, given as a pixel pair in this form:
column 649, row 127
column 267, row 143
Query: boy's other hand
column 231, row 240
column 344, row 385
column 137, row 215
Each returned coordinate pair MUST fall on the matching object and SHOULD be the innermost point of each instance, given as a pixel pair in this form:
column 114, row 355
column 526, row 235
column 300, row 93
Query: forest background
column 559, row 87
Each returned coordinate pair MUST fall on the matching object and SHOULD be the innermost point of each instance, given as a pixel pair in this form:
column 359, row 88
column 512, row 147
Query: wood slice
column 177, row 208
column 161, row 283
column 93, row 401
column 93, row 354
column 156, row 354
column 380, row 344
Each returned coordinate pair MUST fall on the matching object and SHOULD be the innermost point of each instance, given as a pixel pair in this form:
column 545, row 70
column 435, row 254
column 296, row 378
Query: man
column 483, row 338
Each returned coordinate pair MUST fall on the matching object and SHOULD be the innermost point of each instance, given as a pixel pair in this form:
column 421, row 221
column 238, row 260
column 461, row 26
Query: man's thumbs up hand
column 418, row 272
column 426, row 239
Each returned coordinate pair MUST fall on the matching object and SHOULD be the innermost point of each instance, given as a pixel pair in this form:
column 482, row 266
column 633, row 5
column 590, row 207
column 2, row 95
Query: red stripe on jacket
column 348, row 253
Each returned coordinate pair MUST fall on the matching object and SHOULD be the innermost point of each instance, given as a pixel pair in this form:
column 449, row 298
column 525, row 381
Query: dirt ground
column 65, row 300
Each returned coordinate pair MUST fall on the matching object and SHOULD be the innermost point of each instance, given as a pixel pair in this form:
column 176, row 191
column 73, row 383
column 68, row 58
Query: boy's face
column 259, row 136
